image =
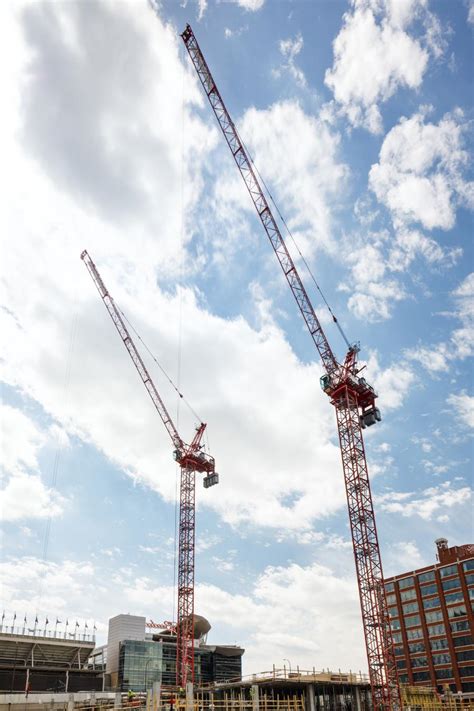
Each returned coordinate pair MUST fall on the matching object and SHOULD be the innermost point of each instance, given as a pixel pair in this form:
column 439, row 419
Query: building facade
column 431, row 617
column 136, row 656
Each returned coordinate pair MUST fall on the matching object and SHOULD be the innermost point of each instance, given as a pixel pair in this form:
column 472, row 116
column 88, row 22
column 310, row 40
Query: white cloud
column 419, row 176
column 309, row 182
column 271, row 620
column 392, row 383
column 437, row 358
column 24, row 494
column 463, row 407
column 250, row 5
column 374, row 56
column 470, row 14
column 202, row 7
column 425, row 504
column 403, row 555
column 290, row 49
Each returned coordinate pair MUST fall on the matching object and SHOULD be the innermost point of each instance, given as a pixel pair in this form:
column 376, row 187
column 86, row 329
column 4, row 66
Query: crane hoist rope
column 155, row 359
column 290, row 234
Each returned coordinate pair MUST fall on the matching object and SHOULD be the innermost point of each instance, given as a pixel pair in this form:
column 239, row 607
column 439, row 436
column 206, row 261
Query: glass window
column 395, row 624
column 453, row 597
column 399, row 651
column 426, row 577
column 406, row 583
column 465, row 686
column 436, row 629
column 449, row 570
column 403, row 678
column 457, row 611
column 451, row 584
column 411, row 607
column 419, row 662
column 468, row 564
column 393, row 612
column 441, row 658
column 415, row 634
column 416, row 647
column 421, row 676
column 391, row 599
column 471, row 593
column 397, row 637
column 389, row 587
column 466, row 671
column 460, row 626
column 444, row 673
column 435, row 616
column 462, row 641
column 408, row 595
column 438, row 644
column 467, row 656
column 401, row 664
column 431, row 602
column 412, row 621
column 428, row 590
column 469, row 579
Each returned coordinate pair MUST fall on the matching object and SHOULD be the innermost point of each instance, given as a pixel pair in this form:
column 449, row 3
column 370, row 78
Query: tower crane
column 354, row 402
column 191, row 459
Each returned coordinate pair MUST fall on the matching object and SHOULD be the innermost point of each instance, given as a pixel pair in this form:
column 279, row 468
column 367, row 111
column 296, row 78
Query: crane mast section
column 261, row 205
column 134, row 354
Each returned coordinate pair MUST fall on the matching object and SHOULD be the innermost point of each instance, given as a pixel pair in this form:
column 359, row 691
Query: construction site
column 417, row 626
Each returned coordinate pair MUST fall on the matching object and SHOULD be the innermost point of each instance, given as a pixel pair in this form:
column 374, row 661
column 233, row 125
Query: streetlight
column 289, row 663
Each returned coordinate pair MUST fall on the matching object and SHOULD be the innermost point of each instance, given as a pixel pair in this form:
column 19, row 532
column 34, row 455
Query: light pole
column 289, row 663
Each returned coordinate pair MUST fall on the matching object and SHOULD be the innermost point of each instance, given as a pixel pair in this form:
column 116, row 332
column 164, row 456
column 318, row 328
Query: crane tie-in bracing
column 354, row 401
column 191, row 459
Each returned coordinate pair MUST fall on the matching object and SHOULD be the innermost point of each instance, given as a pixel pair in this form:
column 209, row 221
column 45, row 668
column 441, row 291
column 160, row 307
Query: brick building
column 431, row 617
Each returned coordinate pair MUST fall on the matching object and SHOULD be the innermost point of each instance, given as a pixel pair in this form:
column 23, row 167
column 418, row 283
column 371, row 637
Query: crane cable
column 150, row 353
column 334, row 318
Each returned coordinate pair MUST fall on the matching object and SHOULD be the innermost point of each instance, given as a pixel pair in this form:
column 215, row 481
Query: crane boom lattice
column 354, row 401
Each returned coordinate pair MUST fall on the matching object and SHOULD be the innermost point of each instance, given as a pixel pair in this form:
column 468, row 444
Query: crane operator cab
column 325, row 382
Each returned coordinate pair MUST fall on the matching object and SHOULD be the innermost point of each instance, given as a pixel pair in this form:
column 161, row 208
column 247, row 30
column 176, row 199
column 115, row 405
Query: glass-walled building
column 431, row 617
column 140, row 664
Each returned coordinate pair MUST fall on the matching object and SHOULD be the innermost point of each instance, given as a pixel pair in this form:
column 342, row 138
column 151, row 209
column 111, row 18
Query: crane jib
column 263, row 209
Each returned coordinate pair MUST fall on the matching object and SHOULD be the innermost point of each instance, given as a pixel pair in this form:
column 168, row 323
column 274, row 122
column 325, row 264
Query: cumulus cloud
column 271, row 619
column 375, row 55
column 24, row 494
column 290, row 49
column 436, row 358
column 310, row 179
column 419, row 176
column 463, row 406
column 427, row 503
column 250, row 5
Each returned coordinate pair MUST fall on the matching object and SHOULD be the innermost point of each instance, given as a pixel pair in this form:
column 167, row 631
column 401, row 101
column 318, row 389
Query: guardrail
column 46, row 634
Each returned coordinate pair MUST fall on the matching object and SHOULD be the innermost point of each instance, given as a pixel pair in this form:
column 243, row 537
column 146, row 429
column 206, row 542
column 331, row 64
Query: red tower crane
column 354, row 402
column 191, row 459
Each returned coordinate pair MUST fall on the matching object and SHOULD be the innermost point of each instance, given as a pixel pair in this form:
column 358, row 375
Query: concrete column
column 70, row 702
column 254, row 695
column 149, row 699
column 357, row 698
column 189, row 696
column 310, row 700
column 156, row 696
column 117, row 700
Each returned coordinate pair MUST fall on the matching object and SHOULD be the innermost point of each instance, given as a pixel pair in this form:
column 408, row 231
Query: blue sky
column 359, row 117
